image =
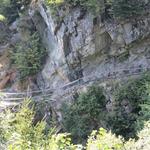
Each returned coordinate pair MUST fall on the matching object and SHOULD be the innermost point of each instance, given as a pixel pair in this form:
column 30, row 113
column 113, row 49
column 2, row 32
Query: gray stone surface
column 83, row 48
column 80, row 47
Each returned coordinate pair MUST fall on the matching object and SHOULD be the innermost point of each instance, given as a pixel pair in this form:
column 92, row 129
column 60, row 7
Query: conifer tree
column 127, row 8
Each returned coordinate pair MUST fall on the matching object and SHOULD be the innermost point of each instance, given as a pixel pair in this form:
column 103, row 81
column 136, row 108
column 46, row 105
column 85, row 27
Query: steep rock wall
column 83, row 50
column 81, row 46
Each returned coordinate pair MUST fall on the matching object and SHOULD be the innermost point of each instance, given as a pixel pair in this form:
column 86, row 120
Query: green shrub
column 85, row 114
column 122, row 9
column 3, row 5
column 19, row 133
column 96, row 7
column 128, row 99
column 144, row 114
column 127, row 8
column 103, row 140
column 4, row 32
column 11, row 8
column 43, row 109
column 143, row 139
column 29, row 56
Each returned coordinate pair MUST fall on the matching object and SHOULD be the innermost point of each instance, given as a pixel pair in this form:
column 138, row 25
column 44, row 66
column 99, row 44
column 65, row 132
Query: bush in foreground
column 17, row 132
column 85, row 114
column 131, row 109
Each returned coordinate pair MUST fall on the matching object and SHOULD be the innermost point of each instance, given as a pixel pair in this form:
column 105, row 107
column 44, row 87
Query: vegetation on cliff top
column 12, row 8
column 121, row 9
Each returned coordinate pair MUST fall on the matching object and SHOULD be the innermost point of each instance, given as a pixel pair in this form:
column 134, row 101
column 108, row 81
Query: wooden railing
column 10, row 99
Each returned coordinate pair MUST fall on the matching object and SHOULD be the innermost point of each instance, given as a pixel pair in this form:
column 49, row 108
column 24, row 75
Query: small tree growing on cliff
column 96, row 7
column 11, row 8
column 29, row 56
column 127, row 8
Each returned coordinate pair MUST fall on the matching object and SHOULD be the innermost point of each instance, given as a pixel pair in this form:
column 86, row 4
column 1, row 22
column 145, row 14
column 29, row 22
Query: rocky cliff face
column 83, row 49
column 81, row 46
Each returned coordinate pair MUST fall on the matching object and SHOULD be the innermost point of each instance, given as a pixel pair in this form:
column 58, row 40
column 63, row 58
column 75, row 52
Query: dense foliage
column 28, row 56
column 103, row 140
column 94, row 6
column 144, row 114
column 128, row 8
column 120, row 9
column 17, row 132
column 11, row 8
column 88, row 112
column 4, row 31
column 132, row 102
column 85, row 114
column 143, row 142
column 117, row 8
column 131, row 110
